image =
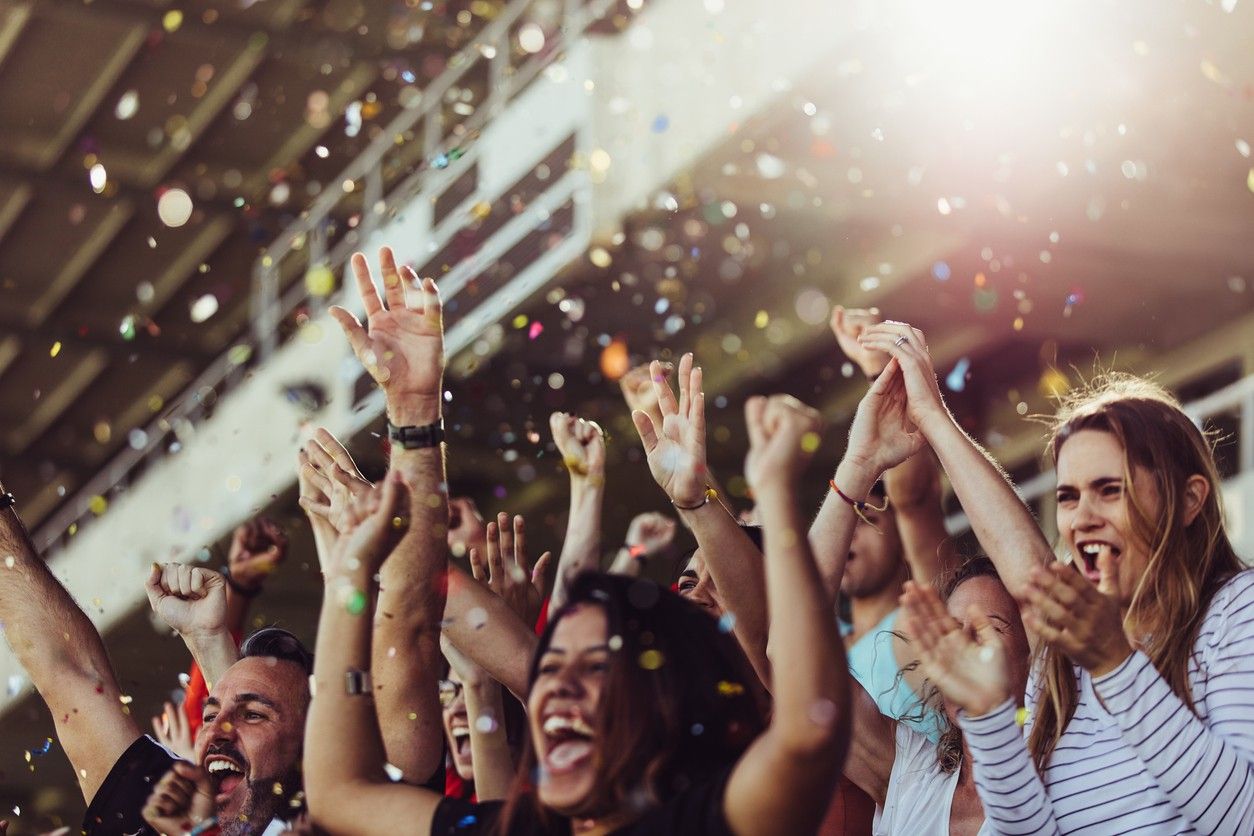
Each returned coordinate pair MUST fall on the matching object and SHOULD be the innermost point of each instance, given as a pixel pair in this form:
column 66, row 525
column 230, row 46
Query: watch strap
column 417, row 438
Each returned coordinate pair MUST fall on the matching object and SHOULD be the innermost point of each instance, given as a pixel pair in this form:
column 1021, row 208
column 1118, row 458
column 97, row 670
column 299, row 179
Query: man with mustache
column 254, row 718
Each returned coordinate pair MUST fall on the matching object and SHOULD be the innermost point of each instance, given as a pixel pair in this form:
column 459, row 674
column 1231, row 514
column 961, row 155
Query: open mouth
column 461, row 741
column 225, row 775
column 568, row 741
column 1089, row 553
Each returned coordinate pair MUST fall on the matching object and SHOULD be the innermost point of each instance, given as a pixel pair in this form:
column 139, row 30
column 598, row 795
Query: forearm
column 832, row 530
column 406, row 650
column 581, row 550
column 484, row 628
column 1179, row 751
column 237, row 607
column 50, row 635
column 811, row 690
column 405, row 667
column 913, row 489
column 214, row 653
column 1008, row 784
column 489, row 743
column 735, row 565
column 1005, row 527
column 343, row 747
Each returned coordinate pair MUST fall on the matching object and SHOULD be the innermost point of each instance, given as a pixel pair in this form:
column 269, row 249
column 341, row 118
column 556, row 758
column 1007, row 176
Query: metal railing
column 1235, row 398
column 269, row 308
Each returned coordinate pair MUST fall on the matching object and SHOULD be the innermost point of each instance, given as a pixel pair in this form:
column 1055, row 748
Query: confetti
column 320, row 280
column 535, row 330
column 652, row 659
column 203, row 308
column 956, row 380
column 55, row 350
column 174, row 207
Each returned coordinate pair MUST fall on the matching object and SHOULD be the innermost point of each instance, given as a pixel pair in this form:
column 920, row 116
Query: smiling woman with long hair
column 644, row 717
column 1140, row 699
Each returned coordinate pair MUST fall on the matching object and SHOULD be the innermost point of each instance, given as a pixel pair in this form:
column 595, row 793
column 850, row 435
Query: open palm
column 401, row 345
column 676, row 450
column 968, row 664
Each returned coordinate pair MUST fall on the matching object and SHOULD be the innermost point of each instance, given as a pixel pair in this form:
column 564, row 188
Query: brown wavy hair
column 659, row 728
column 1187, row 564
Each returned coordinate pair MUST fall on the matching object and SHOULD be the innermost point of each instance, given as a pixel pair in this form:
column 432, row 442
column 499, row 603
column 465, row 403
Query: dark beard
column 263, row 805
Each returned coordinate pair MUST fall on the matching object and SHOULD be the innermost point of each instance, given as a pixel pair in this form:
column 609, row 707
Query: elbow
column 820, row 736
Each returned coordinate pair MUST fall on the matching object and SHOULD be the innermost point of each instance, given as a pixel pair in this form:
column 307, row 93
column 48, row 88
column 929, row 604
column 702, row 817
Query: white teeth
column 1091, row 548
column 558, row 722
column 458, row 734
column 224, row 766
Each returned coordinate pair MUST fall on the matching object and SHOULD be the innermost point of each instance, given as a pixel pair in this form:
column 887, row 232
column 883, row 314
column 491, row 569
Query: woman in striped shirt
column 1141, row 702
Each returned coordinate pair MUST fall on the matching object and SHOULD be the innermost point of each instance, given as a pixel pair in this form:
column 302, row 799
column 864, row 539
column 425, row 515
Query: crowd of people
column 838, row 672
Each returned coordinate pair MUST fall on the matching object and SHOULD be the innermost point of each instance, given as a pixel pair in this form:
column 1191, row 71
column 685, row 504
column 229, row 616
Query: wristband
column 204, row 827
column 710, row 493
column 7, row 501
column 236, row 587
column 417, row 438
column 859, row 507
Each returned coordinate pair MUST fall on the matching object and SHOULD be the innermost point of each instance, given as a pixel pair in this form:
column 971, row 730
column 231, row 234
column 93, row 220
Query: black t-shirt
column 120, row 799
column 697, row 811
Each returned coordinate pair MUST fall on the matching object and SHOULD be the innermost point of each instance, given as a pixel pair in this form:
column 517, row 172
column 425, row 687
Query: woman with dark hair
column 1139, row 701
column 644, row 716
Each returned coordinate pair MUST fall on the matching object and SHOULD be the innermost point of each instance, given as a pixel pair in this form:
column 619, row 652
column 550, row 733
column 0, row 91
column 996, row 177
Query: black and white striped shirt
column 1143, row 763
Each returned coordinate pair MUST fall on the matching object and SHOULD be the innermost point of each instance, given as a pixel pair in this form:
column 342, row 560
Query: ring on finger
column 899, row 340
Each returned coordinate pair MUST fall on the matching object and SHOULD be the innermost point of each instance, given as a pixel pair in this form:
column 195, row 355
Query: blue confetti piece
column 466, row 821
column 941, row 272
column 660, row 123
column 956, row 380
column 727, row 622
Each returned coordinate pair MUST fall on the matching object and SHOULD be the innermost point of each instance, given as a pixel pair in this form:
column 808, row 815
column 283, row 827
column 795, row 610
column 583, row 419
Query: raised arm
column 481, row 625
column 192, row 602
column 257, row 548
column 783, row 782
column 677, row 460
column 490, row 755
column 345, row 783
column 402, row 346
column 582, row 446
column 649, row 535
column 59, row 647
column 1005, row 527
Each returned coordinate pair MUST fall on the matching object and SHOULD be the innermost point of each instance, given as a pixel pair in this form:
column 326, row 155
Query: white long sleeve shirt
column 1142, row 762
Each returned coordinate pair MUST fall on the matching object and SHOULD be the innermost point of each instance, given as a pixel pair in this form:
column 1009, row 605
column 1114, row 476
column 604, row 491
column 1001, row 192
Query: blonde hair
column 1187, row 563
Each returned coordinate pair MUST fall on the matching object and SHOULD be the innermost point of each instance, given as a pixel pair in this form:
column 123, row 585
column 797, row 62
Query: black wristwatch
column 7, row 501
column 417, row 438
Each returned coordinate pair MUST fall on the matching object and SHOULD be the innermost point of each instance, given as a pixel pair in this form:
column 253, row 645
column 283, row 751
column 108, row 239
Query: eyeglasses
column 449, row 691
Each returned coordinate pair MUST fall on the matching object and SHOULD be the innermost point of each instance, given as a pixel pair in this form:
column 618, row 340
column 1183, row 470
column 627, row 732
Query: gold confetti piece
column 810, row 442
column 1021, row 716
column 651, row 660
column 56, row 346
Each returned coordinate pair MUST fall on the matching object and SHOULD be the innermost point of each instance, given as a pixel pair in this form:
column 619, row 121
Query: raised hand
column 180, row 800
column 402, row 344
column 375, row 521
column 650, row 533
column 848, row 325
column 909, row 347
column 783, row 435
column 173, row 731
column 1084, row 621
column 331, row 472
column 582, row 445
column 676, row 450
column 507, row 572
column 639, row 391
column 968, row 665
column 882, row 434
column 257, row 548
column 190, row 599
column 466, row 528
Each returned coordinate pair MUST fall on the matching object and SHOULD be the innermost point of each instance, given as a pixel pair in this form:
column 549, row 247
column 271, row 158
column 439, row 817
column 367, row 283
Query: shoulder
column 695, row 811
column 465, row 818
column 116, row 806
column 1230, row 615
